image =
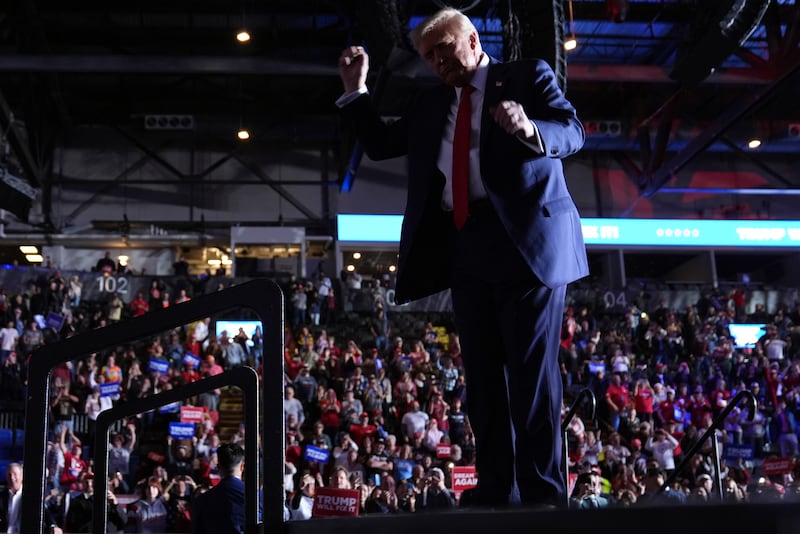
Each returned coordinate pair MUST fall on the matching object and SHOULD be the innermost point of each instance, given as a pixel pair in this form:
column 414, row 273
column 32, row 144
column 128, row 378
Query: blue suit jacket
column 220, row 510
column 528, row 190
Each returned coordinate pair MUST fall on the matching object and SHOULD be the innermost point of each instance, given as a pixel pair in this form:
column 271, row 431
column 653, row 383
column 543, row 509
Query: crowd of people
column 383, row 410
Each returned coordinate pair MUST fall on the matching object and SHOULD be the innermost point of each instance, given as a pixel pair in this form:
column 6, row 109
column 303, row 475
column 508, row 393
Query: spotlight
column 754, row 143
column 243, row 36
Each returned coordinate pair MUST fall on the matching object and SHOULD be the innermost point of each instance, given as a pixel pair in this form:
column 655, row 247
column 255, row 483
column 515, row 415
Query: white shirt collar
column 479, row 77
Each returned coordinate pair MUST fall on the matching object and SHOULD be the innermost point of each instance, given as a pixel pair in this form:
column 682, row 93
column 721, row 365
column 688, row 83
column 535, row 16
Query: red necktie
column 460, row 178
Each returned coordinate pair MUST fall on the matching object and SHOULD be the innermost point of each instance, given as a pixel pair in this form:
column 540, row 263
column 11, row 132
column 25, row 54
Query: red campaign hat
column 364, row 414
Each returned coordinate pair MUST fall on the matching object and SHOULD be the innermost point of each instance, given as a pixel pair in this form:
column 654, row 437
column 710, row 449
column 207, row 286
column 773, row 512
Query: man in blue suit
column 221, row 509
column 508, row 262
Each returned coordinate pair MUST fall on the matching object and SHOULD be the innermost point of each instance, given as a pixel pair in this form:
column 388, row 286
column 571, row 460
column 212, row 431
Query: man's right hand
column 353, row 68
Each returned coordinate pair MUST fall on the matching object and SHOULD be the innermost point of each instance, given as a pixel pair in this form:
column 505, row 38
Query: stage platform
column 782, row 518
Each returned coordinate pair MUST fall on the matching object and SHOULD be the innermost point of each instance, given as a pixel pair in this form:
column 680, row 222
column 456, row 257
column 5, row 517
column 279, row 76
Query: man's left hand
column 511, row 117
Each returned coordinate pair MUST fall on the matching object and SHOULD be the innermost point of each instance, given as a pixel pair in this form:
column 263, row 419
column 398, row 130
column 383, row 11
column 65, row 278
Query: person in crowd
column 301, row 504
column 74, row 464
column 9, row 336
column 139, row 306
column 528, row 132
column 292, row 406
column 115, row 307
column 435, row 496
column 617, row 398
column 414, row 421
column 149, row 514
column 588, row 492
column 785, row 429
column 662, row 446
column 653, row 495
column 120, row 448
column 221, row 509
column 11, row 505
column 80, row 513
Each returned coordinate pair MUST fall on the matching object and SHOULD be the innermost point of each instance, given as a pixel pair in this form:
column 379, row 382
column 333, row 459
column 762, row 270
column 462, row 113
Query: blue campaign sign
column 173, row 407
column 596, row 366
column 54, row 320
column 734, row 452
column 191, row 359
column 181, row 430
column 315, row 454
column 109, row 389
column 158, row 366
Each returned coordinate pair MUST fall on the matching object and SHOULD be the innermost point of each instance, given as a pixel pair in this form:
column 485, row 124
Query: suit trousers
column 509, row 325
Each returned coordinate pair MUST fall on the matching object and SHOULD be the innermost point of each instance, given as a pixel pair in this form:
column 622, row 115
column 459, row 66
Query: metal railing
column 711, row 432
column 262, row 296
column 245, row 378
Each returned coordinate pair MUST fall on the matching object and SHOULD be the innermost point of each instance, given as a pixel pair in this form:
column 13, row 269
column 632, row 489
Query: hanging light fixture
column 243, row 134
column 572, row 42
column 243, row 35
column 753, row 143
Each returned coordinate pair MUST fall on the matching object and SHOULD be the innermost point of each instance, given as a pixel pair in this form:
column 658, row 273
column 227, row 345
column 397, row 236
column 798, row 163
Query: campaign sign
column 734, row 452
column 464, row 478
column 443, row 450
column 158, row 366
column 777, row 466
column 109, row 389
column 172, row 407
column 594, row 367
column 335, row 502
column 54, row 320
column 316, row 454
column 191, row 414
column 191, row 359
column 181, row 430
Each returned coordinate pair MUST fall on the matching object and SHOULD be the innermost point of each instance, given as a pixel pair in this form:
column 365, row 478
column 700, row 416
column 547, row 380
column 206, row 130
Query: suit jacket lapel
column 495, row 85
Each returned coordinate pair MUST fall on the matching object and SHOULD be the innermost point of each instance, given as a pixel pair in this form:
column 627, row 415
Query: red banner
column 335, row 502
column 464, row 478
column 191, row 414
column 777, row 466
column 443, row 450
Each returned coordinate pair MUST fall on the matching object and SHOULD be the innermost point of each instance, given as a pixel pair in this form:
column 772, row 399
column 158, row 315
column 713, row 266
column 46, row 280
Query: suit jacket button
column 554, row 151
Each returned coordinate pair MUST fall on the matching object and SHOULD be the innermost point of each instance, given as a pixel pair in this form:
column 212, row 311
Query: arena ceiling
column 75, row 74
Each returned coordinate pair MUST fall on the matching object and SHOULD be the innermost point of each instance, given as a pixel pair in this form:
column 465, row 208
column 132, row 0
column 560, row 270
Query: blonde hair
column 455, row 19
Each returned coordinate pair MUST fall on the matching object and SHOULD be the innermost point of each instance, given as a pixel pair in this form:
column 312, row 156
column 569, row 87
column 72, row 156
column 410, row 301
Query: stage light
column 243, row 134
column 243, row 36
column 572, row 42
column 28, row 249
column 754, row 143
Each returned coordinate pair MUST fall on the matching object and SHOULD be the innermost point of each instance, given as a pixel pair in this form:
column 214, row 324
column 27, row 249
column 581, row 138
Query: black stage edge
column 783, row 518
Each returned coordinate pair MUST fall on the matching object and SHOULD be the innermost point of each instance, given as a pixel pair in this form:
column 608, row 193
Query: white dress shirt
column 14, row 510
